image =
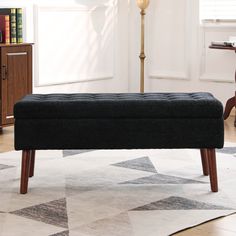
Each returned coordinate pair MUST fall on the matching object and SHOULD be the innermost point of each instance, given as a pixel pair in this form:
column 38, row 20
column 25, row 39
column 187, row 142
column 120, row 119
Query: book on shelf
column 19, row 25
column 13, row 25
column 15, row 19
column 5, row 28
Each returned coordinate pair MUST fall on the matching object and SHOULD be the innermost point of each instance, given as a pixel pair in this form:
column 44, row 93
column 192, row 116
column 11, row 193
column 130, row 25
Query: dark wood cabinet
column 16, row 78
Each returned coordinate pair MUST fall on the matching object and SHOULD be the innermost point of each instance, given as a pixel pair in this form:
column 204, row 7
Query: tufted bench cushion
column 121, row 105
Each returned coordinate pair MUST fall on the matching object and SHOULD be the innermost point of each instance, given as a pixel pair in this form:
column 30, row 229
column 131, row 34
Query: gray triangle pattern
column 162, row 179
column 2, row 167
column 142, row 163
column 64, row 233
column 227, row 150
column 66, row 153
column 179, row 203
column 54, row 213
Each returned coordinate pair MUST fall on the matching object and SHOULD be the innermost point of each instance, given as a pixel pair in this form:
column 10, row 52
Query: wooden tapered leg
column 25, row 167
column 204, row 157
column 212, row 169
column 32, row 161
column 229, row 106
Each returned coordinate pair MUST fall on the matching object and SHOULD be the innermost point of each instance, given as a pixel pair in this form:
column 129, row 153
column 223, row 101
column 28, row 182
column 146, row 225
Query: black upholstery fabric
column 126, row 105
column 118, row 133
column 195, row 121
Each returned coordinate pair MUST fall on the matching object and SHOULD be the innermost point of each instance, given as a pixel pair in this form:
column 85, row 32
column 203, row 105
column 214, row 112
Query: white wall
column 80, row 45
column 178, row 57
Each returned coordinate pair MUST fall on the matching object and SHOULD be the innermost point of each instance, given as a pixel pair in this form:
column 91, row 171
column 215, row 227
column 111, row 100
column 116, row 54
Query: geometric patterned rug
column 114, row 192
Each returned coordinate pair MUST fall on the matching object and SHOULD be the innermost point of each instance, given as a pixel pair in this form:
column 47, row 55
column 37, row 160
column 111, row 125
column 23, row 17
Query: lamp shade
column 142, row 4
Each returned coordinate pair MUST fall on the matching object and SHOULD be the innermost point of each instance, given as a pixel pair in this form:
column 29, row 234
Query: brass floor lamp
column 142, row 4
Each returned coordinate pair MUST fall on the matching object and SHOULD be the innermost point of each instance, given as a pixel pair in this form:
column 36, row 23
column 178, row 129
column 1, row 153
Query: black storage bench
column 119, row 121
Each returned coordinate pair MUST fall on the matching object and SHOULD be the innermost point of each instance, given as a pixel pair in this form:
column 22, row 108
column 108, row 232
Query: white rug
column 114, row 193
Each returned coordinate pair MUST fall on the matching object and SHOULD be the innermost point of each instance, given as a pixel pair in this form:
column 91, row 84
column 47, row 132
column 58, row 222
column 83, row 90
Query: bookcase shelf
column 14, row 44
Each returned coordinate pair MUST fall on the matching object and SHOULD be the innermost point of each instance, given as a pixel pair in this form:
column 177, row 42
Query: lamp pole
column 142, row 4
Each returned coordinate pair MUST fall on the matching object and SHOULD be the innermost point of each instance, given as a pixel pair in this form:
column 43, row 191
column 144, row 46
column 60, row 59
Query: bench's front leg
column 212, row 169
column 25, row 169
column 32, row 161
column 205, row 165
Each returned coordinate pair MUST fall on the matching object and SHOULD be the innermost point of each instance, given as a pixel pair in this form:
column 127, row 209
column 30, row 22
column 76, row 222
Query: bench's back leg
column 212, row 169
column 32, row 161
column 25, row 168
column 205, row 165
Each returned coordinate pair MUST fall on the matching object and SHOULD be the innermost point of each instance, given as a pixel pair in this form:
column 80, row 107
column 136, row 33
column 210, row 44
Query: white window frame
column 215, row 21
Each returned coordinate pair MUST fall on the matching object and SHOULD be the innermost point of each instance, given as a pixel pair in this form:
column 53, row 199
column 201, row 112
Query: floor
column 222, row 227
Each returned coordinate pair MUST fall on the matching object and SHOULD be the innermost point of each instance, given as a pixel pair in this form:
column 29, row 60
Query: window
column 218, row 10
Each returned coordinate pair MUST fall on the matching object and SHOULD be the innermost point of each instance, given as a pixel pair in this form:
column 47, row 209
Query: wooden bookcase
column 16, row 78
